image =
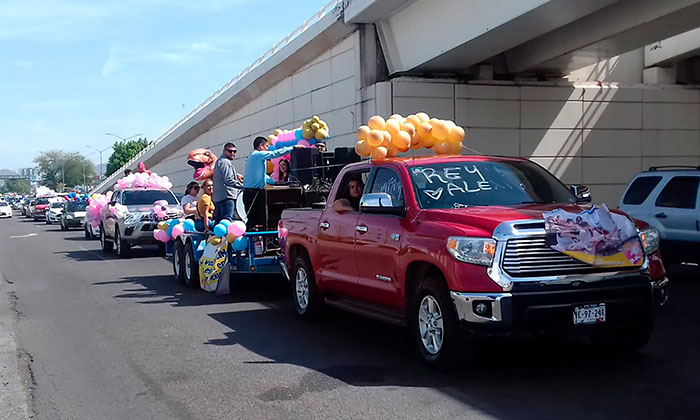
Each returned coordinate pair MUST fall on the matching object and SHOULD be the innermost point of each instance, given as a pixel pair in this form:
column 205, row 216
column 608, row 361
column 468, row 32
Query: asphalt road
column 104, row 338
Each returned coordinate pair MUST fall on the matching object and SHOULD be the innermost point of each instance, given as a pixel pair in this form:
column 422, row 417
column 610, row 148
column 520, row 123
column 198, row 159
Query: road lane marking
column 23, row 236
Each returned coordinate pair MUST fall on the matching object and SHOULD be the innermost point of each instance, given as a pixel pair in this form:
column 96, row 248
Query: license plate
column 589, row 314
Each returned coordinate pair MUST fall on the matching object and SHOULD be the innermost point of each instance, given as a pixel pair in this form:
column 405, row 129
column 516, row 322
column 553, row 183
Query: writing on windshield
column 465, row 184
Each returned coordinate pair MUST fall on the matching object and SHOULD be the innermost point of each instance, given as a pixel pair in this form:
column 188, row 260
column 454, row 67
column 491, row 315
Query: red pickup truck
column 453, row 247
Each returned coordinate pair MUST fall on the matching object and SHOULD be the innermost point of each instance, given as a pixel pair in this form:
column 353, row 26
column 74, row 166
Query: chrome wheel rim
column 188, row 268
column 302, row 288
column 176, row 261
column 430, row 324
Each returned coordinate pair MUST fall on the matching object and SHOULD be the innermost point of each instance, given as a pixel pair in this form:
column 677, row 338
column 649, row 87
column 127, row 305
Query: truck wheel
column 178, row 261
column 307, row 300
column 190, row 267
column 107, row 246
column 434, row 325
column 123, row 247
column 622, row 340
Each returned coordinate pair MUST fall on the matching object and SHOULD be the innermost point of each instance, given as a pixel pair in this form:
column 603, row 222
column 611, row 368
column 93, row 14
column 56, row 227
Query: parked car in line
column 136, row 226
column 91, row 232
column 54, row 212
column 41, row 207
column 668, row 199
column 30, row 209
column 73, row 214
column 455, row 247
column 25, row 205
column 5, row 209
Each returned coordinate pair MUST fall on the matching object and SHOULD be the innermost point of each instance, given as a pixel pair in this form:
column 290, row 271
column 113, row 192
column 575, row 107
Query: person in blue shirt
column 255, row 180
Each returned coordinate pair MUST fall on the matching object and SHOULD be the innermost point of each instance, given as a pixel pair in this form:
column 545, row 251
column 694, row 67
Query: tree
column 124, row 151
column 19, row 186
column 59, row 169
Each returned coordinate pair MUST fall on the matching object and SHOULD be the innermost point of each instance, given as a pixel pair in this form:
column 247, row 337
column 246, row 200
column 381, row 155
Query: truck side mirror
column 380, row 203
column 581, row 192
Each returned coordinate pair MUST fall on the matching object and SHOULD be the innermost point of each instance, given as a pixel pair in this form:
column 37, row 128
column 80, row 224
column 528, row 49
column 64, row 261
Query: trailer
column 188, row 248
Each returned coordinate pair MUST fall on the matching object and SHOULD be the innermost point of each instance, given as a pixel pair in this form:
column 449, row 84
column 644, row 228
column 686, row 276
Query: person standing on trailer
column 227, row 184
column 254, row 181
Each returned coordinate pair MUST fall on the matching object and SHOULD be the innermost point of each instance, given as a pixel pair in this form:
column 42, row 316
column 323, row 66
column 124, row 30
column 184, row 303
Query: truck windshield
column 466, row 184
column 147, row 197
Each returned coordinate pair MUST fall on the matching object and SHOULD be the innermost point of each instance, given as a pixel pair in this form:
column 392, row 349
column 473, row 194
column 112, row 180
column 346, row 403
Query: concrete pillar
column 660, row 75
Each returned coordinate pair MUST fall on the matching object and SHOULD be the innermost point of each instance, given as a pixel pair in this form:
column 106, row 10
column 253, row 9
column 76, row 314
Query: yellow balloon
column 424, row 130
column 440, row 130
column 363, row 148
column 362, row 132
column 393, row 127
column 269, row 167
column 377, row 123
column 230, row 238
column 278, row 132
column 456, row 135
column 270, row 138
column 442, row 147
column 402, row 141
column 392, row 151
column 214, row 240
column 307, row 133
column 162, row 226
column 379, row 152
column 321, row 134
column 315, row 126
column 375, row 138
column 423, row 117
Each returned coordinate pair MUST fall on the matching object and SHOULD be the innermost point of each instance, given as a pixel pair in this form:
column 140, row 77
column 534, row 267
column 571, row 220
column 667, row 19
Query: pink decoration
column 289, row 135
column 304, row 143
column 178, row 230
column 236, row 228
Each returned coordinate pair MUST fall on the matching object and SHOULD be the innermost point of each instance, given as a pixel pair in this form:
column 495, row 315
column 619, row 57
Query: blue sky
column 70, row 71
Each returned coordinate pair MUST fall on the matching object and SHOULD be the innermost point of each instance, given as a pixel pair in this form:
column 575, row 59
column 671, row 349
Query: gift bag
column 212, row 266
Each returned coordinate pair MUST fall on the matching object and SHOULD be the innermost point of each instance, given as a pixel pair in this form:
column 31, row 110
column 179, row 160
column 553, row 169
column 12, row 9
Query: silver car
column 136, row 225
column 668, row 198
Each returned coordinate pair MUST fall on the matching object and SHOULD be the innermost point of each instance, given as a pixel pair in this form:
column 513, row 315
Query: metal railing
column 269, row 53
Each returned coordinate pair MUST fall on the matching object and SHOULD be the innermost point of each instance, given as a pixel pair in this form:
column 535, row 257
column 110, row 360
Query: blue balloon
column 220, row 230
column 170, row 231
column 299, row 134
column 312, row 141
column 225, row 222
column 173, row 222
column 189, row 225
column 240, row 243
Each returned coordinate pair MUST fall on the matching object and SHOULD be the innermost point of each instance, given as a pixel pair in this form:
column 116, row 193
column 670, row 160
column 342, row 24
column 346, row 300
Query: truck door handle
column 660, row 215
column 361, row 228
column 324, row 225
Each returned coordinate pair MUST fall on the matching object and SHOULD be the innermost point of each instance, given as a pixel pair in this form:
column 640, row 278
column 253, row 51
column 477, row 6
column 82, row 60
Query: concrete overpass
column 581, row 87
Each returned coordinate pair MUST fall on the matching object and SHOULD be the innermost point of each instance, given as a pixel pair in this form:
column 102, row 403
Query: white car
column 668, row 198
column 5, row 209
column 55, row 210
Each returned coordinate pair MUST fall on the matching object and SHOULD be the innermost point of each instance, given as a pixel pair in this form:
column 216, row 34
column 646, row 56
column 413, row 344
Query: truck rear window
column 640, row 189
column 466, row 184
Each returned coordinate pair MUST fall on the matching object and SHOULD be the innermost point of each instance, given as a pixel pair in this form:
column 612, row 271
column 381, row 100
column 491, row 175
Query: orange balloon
column 393, row 127
column 377, row 123
column 397, row 117
column 362, row 132
column 456, row 135
column 428, row 142
column 392, row 151
column 387, row 139
column 413, row 120
column 424, row 130
column 455, row 148
column 375, row 138
column 441, row 130
column 409, row 128
column 442, row 147
column 402, row 141
column 379, row 152
column 423, row 117
column 269, row 167
column 363, row 148
column 416, row 141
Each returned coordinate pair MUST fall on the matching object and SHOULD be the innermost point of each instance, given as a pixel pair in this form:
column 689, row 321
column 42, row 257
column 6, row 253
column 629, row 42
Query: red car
column 41, row 207
column 453, row 248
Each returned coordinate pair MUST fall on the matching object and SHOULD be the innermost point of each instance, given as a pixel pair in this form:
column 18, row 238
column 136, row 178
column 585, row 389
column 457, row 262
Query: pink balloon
column 304, row 143
column 286, row 136
column 236, row 228
column 161, row 235
column 178, row 230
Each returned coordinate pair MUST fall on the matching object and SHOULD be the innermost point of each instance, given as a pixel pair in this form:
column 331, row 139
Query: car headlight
column 69, row 216
column 650, row 240
column 478, row 251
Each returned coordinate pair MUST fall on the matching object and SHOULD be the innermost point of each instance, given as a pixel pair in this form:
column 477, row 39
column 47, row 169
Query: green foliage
column 19, row 186
column 124, row 151
column 59, row 169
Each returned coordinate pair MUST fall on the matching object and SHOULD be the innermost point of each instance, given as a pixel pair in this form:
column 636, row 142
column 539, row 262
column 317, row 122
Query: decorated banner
column 596, row 237
column 381, row 138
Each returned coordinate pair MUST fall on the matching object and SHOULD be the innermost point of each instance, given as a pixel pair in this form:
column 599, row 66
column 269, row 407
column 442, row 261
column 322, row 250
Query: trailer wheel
column 190, row 266
column 307, row 300
column 178, row 261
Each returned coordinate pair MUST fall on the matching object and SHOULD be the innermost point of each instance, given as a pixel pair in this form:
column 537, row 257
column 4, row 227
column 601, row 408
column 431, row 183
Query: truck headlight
column 479, row 251
column 650, row 240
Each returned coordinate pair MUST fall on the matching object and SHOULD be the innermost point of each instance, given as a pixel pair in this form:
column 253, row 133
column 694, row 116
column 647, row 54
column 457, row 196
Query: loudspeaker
column 303, row 161
column 343, row 156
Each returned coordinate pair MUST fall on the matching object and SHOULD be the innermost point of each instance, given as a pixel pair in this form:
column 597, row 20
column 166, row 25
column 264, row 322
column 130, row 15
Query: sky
column 73, row 70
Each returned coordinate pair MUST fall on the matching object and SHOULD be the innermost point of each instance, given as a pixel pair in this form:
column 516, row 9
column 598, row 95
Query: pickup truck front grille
column 530, row 256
